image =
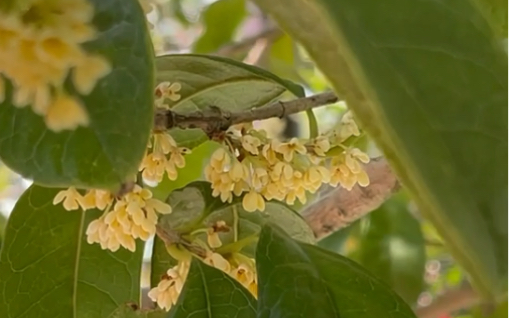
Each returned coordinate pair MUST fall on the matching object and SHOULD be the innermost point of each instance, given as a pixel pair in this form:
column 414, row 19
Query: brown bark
column 339, row 207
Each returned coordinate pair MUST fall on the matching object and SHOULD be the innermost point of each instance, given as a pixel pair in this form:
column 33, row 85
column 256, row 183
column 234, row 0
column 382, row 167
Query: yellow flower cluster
column 124, row 220
column 40, row 45
column 263, row 169
column 238, row 266
column 169, row 288
column 165, row 157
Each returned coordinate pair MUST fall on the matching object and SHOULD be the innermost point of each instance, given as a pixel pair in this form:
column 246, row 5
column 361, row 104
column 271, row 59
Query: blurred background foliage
column 393, row 242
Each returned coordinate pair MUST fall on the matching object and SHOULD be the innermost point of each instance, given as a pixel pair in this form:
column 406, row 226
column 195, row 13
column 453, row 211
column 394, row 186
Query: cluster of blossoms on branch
column 248, row 164
column 237, row 265
column 264, row 169
column 135, row 214
column 40, row 45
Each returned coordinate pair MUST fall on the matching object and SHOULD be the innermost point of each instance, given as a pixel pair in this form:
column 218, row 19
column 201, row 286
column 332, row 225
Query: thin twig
column 215, row 119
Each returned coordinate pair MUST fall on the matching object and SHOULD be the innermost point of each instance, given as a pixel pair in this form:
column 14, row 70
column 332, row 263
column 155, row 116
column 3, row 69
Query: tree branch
column 340, row 207
column 215, row 119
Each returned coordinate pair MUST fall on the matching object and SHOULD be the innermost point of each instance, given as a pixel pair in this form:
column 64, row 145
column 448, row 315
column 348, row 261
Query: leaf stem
column 313, row 124
column 235, row 223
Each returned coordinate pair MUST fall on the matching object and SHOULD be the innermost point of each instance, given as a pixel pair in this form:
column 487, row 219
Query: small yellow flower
column 169, row 288
column 274, row 190
column 251, row 144
column 244, row 274
column 88, row 72
column 153, row 166
column 168, row 90
column 171, row 170
column 177, row 156
column 218, row 261
column 253, row 201
column 220, row 160
column 348, row 127
column 66, row 113
column 315, row 176
column 347, row 171
column 321, row 145
column 287, row 149
column 109, row 233
column 296, row 193
column 163, row 143
column 259, row 178
column 282, row 170
column 269, row 153
column 71, row 198
column 213, row 239
column 99, row 199
column 238, row 171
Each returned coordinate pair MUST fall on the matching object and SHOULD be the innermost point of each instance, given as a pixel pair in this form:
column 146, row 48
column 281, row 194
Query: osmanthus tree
column 114, row 139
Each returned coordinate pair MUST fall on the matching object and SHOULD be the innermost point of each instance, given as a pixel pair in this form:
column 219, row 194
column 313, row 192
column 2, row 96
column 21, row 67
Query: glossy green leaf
column 211, row 293
column 428, row 81
column 195, row 208
column 301, row 280
column 220, row 20
column 282, row 58
column 120, row 108
column 217, row 81
column 47, row 269
column 391, row 246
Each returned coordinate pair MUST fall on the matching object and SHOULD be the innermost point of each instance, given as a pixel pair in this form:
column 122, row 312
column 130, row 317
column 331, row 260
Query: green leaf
column 132, row 311
column 47, row 268
column 336, row 241
column 391, row 246
column 221, row 19
column 216, row 81
column 428, row 81
column 195, row 208
column 300, row 280
column 496, row 13
column 211, row 293
column 120, row 108
column 282, row 59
